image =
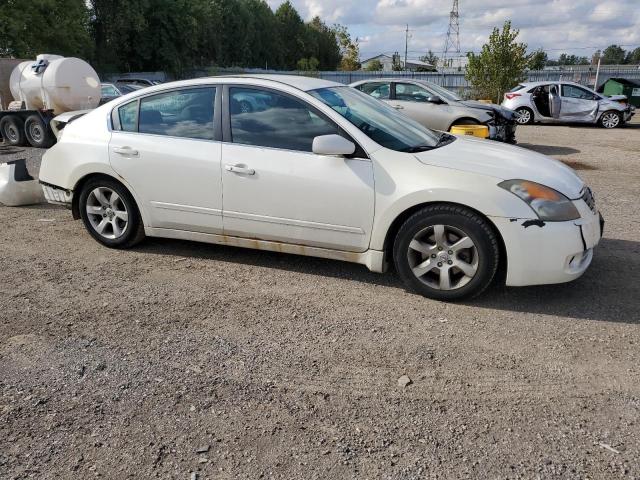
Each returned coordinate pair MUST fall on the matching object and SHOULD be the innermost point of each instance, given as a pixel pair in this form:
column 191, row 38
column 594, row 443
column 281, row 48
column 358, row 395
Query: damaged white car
column 320, row 169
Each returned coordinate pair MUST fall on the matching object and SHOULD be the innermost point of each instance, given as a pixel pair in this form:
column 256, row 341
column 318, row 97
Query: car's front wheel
column 446, row 252
column 110, row 214
column 610, row 119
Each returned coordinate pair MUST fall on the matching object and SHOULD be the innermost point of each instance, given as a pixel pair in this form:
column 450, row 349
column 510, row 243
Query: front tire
column 526, row 116
column 110, row 214
column 446, row 252
column 610, row 119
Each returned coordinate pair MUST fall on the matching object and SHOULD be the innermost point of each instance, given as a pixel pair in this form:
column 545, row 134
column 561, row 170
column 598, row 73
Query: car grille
column 589, row 199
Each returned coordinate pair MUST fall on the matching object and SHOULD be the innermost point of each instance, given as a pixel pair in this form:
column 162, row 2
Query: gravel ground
column 183, row 360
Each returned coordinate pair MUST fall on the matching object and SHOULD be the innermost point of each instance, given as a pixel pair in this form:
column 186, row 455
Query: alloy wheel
column 443, row 257
column 107, row 213
column 610, row 120
column 525, row 116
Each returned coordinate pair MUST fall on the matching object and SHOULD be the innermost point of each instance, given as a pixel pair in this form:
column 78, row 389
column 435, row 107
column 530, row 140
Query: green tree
column 28, row 28
column 374, row 66
column 430, row 58
column 322, row 44
column 499, row 66
column 292, row 34
column 633, row 57
column 613, row 55
column 538, row 60
column 350, row 50
column 308, row 64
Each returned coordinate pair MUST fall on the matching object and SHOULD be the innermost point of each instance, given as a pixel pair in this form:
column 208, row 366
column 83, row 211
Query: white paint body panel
column 177, row 179
column 326, row 206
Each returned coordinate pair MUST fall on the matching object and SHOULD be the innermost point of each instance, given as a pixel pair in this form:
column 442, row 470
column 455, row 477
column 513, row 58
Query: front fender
column 403, row 190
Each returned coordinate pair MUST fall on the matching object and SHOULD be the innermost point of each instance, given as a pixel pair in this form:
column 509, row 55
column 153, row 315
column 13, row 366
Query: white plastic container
column 61, row 84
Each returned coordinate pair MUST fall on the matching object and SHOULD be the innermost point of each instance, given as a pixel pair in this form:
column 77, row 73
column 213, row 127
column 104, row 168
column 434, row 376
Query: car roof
column 547, row 82
column 297, row 81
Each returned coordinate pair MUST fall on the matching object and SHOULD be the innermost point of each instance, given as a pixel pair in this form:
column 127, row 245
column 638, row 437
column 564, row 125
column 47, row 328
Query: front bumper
column 629, row 113
column 540, row 253
column 503, row 132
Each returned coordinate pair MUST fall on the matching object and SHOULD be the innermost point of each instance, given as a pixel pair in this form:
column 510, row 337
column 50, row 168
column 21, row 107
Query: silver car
column 552, row 102
column 437, row 108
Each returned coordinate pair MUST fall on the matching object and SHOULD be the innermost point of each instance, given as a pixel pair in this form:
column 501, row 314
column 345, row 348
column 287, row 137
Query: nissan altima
column 320, row 169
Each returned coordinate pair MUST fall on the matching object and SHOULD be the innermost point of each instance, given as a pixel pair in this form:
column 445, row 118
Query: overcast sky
column 573, row 26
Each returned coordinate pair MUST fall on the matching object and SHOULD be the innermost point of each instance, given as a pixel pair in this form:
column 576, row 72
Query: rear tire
column 12, row 129
column 610, row 119
column 446, row 252
column 526, row 116
column 110, row 213
column 37, row 132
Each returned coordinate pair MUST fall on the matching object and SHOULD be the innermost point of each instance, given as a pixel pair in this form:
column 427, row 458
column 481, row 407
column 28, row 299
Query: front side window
column 376, row 90
column 180, row 113
column 128, row 116
column 571, row 91
column 411, row 93
column 268, row 119
column 380, row 122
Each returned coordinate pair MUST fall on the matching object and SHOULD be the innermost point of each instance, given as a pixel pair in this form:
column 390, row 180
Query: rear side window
column 180, row 113
column 268, row 119
column 128, row 116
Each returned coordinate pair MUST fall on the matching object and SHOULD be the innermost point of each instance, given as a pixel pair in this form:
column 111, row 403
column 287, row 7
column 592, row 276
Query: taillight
column 511, row 96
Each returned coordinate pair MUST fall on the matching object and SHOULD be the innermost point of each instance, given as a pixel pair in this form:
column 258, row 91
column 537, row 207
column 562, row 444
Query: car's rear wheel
column 610, row 119
column 446, row 252
column 110, row 214
column 525, row 116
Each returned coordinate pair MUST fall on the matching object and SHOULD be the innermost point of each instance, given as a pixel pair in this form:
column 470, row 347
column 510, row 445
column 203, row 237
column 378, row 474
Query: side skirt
column 372, row 259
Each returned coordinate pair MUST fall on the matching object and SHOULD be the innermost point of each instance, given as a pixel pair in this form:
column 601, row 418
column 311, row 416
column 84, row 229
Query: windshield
column 381, row 123
column 443, row 92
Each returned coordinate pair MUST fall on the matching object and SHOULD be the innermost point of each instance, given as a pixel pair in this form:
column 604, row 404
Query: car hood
column 504, row 162
column 490, row 107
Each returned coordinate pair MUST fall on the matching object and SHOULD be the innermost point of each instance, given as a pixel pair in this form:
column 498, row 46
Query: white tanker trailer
column 50, row 86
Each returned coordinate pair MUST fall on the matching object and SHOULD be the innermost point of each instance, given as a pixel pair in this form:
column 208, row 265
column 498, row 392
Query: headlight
column 549, row 205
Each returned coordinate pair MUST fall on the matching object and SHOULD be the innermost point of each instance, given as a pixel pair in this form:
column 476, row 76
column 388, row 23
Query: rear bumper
column 540, row 253
column 57, row 195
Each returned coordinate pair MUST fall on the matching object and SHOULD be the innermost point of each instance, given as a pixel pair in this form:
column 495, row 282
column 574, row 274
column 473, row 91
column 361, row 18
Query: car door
column 164, row 146
column 275, row 188
column 578, row 104
column 413, row 101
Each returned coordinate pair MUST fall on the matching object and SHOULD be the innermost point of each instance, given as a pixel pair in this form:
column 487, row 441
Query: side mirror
column 434, row 99
column 332, row 145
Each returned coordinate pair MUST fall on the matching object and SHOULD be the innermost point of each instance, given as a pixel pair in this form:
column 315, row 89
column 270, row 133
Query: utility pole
column 452, row 43
column 406, row 46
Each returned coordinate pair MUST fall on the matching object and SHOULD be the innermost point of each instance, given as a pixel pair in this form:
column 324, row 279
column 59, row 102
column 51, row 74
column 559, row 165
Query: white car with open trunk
column 321, row 169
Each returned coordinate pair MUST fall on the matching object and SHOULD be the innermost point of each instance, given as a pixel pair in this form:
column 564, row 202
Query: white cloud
column 576, row 27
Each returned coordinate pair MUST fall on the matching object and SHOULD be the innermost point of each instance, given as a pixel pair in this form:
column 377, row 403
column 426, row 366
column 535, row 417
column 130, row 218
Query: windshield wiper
column 418, row 148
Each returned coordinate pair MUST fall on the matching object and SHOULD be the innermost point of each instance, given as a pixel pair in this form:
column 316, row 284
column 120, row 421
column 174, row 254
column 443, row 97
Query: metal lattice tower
column 452, row 43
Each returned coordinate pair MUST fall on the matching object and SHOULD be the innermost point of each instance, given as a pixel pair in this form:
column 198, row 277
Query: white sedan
column 321, row 169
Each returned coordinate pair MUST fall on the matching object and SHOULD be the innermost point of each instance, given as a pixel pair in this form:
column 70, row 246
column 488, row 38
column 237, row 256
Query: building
column 387, row 64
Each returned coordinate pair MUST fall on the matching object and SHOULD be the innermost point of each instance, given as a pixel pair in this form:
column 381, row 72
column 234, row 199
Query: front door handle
column 398, row 107
column 240, row 168
column 127, row 151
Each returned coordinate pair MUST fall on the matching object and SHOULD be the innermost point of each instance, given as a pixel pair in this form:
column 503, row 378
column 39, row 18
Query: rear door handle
column 240, row 169
column 127, row 151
